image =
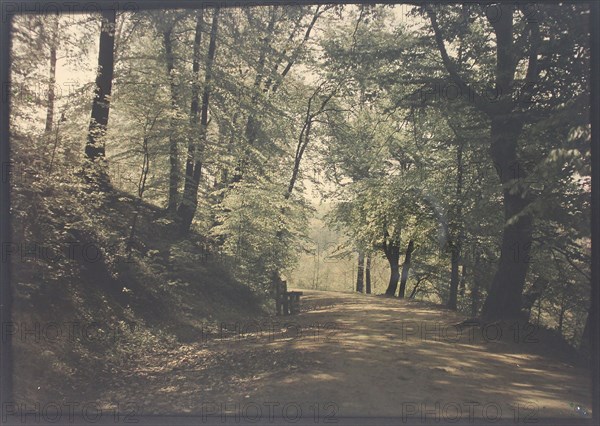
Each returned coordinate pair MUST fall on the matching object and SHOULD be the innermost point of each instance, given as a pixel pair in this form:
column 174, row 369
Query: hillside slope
column 83, row 307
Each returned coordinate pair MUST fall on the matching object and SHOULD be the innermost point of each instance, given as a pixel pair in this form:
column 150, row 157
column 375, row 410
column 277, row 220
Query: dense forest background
column 440, row 153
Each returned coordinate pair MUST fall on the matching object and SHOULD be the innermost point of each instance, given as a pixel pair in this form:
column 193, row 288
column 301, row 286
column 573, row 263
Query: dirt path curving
column 356, row 355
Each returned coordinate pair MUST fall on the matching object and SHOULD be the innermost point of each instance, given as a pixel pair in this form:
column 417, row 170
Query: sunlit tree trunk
column 187, row 208
column 360, row 272
column 406, row 268
column 52, row 74
column 94, row 148
column 174, row 164
column 368, row 275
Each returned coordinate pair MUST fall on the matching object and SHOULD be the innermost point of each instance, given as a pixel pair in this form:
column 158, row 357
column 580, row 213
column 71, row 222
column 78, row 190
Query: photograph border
column 11, row 8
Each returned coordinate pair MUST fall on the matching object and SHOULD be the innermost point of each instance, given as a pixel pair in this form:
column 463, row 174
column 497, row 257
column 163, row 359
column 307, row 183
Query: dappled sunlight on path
column 351, row 355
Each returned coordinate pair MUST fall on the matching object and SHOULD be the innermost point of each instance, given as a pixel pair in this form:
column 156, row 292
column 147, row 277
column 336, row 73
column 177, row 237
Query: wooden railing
column 286, row 302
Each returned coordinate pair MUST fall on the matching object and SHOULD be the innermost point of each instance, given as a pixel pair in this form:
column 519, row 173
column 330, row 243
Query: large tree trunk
column 174, row 170
column 394, row 277
column 94, row 148
column 187, row 208
column 52, row 74
column 405, row 268
column 368, row 275
column 360, row 272
column 391, row 248
column 504, row 298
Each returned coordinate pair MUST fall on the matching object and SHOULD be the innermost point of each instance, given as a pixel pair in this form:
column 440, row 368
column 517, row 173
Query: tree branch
column 449, row 65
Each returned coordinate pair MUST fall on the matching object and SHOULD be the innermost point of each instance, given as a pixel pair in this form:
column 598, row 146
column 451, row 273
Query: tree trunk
column 453, row 277
column 463, row 281
column 94, row 148
column 361, row 272
column 561, row 317
column 252, row 123
column 187, row 208
column 476, row 288
column 533, row 295
column 368, row 275
column 584, row 345
column 405, row 268
column 391, row 248
column 414, row 290
column 504, row 298
column 52, row 75
column 394, row 277
column 141, row 189
column 174, row 170
column 456, row 245
column 475, row 300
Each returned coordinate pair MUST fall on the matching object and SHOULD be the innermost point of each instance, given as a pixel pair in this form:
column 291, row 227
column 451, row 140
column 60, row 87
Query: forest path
column 356, row 355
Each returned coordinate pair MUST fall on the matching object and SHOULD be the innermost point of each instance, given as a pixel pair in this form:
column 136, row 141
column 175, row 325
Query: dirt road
column 357, row 355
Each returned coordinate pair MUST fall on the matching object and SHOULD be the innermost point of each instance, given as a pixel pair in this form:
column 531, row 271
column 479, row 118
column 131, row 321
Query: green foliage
column 260, row 232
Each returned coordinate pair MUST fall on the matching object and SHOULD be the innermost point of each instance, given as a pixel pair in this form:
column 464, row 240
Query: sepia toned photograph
column 299, row 213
